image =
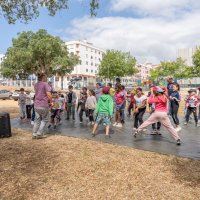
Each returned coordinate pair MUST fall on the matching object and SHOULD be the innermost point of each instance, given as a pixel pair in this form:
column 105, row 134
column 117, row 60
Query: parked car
column 5, row 94
column 15, row 94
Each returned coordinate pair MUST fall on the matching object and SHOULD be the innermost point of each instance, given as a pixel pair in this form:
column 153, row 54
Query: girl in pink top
column 119, row 101
column 160, row 99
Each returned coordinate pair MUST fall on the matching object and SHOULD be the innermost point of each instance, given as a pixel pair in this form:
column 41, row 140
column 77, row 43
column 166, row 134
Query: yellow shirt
column 112, row 92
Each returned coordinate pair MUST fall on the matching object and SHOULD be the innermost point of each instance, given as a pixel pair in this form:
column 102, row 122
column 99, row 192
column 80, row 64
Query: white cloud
column 167, row 8
column 163, row 27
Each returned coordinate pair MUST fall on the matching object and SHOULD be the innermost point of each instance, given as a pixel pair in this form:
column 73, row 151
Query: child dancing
column 160, row 98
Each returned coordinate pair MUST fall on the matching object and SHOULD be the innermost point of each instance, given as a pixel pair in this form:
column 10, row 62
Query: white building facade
column 90, row 58
column 186, row 54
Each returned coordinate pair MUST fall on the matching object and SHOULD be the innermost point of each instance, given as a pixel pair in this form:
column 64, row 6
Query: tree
column 177, row 69
column 196, row 62
column 40, row 52
column 117, row 64
column 26, row 10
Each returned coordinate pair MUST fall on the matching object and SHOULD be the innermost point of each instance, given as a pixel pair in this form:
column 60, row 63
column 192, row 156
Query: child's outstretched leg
column 94, row 129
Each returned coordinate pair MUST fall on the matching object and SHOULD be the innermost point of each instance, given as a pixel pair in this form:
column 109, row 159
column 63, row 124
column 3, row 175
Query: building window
column 86, row 62
column 91, row 50
column 92, row 71
column 77, row 45
column 86, row 70
column 92, row 64
column 80, row 62
column 91, row 57
column 86, row 55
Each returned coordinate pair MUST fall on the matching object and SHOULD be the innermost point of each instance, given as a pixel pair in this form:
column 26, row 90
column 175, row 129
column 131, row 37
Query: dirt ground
column 60, row 167
column 69, row 168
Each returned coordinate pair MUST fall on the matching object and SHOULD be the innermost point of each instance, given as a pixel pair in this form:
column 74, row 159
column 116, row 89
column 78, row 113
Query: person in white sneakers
column 90, row 105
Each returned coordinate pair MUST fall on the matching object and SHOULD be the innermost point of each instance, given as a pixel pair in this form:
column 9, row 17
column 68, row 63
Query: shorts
column 103, row 118
column 119, row 107
column 55, row 113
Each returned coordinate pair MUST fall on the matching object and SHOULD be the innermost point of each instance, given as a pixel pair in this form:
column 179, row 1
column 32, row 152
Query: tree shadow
column 186, row 170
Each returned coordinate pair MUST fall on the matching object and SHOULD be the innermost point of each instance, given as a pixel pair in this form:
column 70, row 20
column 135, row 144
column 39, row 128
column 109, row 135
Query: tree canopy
column 117, row 64
column 33, row 53
column 26, row 10
column 177, row 69
column 196, row 62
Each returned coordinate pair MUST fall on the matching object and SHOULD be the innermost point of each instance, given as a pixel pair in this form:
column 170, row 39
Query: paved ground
column 190, row 136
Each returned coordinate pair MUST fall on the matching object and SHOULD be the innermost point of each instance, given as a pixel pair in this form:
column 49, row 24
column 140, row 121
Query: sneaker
column 81, row 122
column 92, row 123
column 115, row 124
column 158, row 132
column 134, row 129
column 154, row 132
column 89, row 123
column 144, row 130
column 178, row 129
column 49, row 126
column 32, row 123
column 185, row 123
column 119, row 125
column 107, row 136
column 34, row 137
column 135, row 134
column 198, row 124
column 178, row 142
column 73, row 119
column 67, row 118
column 40, row 137
column 54, row 127
column 93, row 134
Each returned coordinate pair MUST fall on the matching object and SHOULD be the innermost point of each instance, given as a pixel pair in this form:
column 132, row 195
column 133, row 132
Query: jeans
column 174, row 112
column 130, row 107
column 41, row 119
column 33, row 113
column 139, row 117
column 70, row 110
column 22, row 110
column 81, row 114
column 191, row 110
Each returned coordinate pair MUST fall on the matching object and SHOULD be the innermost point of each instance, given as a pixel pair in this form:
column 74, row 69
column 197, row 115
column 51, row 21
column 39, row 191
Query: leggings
column 164, row 120
column 174, row 112
column 90, row 113
column 139, row 117
column 191, row 110
column 28, row 111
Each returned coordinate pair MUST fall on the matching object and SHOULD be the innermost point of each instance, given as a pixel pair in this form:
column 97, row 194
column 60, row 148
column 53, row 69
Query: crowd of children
column 101, row 104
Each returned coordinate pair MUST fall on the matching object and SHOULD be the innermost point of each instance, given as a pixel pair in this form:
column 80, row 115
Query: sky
column 152, row 30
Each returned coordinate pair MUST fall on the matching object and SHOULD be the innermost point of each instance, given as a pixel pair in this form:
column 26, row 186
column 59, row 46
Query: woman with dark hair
column 160, row 98
column 174, row 99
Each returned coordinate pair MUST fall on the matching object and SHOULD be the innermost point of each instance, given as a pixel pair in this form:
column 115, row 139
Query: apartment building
column 90, row 58
column 186, row 54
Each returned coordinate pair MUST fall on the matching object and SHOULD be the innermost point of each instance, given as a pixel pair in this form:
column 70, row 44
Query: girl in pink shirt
column 119, row 101
column 160, row 99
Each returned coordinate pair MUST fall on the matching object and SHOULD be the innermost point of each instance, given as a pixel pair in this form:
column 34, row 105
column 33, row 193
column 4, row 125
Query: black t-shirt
column 69, row 97
column 170, row 88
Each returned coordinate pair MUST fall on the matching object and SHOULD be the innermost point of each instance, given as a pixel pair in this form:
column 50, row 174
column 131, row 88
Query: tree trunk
column 62, row 80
